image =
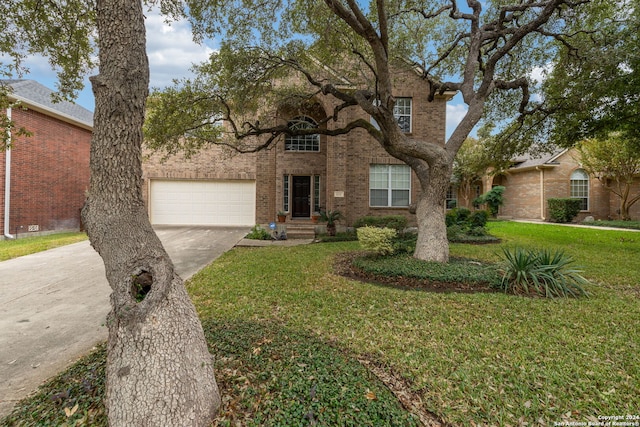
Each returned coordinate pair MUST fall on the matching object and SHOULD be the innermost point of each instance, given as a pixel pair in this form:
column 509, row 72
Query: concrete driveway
column 53, row 304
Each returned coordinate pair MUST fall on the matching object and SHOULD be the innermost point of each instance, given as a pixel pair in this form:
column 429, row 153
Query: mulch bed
column 343, row 266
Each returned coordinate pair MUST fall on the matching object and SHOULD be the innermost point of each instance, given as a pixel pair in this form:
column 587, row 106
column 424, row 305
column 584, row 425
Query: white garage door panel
column 203, row 202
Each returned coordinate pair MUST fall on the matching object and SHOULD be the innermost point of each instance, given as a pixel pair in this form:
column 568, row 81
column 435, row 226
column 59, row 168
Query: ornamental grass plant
column 544, row 272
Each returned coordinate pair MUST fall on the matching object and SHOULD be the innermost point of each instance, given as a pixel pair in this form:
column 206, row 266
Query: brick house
column 298, row 175
column 43, row 177
column 534, row 179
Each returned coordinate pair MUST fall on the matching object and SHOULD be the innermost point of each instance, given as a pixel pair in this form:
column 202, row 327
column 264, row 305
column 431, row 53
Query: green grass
column 490, row 358
column 29, row 245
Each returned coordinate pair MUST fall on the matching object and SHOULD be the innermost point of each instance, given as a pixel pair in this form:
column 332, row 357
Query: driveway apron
column 53, row 304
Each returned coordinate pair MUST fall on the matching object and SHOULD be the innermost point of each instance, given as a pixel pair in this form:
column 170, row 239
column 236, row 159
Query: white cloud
column 455, row 114
column 539, row 74
column 171, row 50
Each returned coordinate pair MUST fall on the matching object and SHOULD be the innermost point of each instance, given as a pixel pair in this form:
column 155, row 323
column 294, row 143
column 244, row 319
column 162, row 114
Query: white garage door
column 203, row 202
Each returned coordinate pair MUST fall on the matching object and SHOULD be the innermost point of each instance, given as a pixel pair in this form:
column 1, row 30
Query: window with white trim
column 401, row 112
column 310, row 142
column 285, row 193
column 580, row 187
column 316, row 193
column 389, row 185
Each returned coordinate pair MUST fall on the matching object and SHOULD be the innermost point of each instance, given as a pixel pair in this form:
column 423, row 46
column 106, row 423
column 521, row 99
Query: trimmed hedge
column 563, row 210
column 397, row 222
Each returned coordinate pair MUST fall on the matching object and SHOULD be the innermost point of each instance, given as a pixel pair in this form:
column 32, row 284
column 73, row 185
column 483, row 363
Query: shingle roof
column 537, row 159
column 32, row 92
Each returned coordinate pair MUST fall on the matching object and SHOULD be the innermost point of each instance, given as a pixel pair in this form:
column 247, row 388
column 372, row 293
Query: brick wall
column 49, row 174
column 523, row 190
column 342, row 162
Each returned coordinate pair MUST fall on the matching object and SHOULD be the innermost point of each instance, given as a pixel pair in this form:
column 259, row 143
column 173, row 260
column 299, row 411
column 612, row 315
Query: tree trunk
column 159, row 370
column 432, row 244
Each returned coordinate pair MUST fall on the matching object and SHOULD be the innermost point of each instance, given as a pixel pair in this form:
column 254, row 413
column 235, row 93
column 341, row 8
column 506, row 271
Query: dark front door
column 301, row 197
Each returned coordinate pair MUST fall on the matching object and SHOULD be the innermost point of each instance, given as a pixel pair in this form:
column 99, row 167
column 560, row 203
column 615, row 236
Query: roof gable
column 38, row 97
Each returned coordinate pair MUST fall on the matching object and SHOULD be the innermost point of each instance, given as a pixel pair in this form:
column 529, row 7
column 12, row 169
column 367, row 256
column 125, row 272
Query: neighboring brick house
column 298, row 175
column 532, row 180
column 43, row 177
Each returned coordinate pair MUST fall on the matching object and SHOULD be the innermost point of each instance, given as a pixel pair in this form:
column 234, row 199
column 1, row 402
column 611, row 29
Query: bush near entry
column 563, row 210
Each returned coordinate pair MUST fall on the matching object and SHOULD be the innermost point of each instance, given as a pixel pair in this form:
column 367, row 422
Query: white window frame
column 579, row 186
column 390, row 185
column 302, row 143
column 402, row 108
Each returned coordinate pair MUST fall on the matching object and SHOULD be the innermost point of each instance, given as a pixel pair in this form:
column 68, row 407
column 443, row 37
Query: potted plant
column 331, row 217
column 315, row 217
column 282, row 216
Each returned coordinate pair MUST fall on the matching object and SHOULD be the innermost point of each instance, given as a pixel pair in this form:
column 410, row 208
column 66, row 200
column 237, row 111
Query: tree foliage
column 615, row 161
column 592, row 85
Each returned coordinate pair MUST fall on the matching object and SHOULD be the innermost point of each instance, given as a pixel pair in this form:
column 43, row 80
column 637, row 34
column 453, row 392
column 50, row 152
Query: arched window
column 580, row 187
column 307, row 142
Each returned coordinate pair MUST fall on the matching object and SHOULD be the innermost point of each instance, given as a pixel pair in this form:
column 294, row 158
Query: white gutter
column 7, row 181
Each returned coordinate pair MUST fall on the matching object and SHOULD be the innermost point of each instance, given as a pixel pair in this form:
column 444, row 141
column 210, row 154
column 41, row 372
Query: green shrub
column 258, row 233
column 463, row 226
column 378, row 240
column 492, row 198
column 479, row 219
column 563, row 210
column 457, row 270
column 397, row 222
column 405, row 243
column 541, row 272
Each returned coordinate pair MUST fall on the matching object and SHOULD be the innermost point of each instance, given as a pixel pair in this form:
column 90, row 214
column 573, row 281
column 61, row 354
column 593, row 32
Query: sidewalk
column 595, row 227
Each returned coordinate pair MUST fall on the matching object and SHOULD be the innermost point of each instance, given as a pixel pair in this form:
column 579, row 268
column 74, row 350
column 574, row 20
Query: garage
column 200, row 202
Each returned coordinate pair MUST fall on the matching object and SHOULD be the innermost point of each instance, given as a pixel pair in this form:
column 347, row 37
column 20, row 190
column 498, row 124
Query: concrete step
column 299, row 230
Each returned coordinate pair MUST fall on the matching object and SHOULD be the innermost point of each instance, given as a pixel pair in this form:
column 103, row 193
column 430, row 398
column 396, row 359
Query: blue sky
column 172, row 52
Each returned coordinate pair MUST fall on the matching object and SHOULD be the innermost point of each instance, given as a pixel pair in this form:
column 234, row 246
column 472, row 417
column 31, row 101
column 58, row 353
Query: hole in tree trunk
column 141, row 285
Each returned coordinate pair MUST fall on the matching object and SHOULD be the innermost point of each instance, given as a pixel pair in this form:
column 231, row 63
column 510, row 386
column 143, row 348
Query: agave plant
column 543, row 272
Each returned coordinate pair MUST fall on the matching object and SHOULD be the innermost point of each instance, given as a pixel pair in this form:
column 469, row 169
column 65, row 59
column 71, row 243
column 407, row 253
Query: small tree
column 615, row 161
column 492, row 198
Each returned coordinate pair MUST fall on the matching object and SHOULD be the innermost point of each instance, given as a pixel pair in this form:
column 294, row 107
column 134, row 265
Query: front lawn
column 469, row 358
column 30, row 245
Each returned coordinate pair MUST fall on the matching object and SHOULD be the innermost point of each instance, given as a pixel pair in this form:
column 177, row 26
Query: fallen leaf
column 527, row 404
column 370, row 395
column 70, row 412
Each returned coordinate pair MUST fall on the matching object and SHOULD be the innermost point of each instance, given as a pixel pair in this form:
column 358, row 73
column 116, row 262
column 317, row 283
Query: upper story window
column 580, row 187
column 389, row 185
column 402, row 114
column 310, row 142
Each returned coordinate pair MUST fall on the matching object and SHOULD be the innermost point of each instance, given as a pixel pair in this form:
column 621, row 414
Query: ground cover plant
column 483, row 358
column 29, row 245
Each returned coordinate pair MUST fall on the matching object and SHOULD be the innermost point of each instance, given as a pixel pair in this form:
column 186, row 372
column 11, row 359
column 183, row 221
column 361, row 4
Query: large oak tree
column 481, row 49
column 159, row 370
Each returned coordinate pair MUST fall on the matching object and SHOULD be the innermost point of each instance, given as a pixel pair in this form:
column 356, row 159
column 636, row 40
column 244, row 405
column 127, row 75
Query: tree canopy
column 592, row 86
column 614, row 160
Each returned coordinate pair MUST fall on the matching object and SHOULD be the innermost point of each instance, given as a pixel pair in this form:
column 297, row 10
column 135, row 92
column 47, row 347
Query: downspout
column 7, row 181
column 541, row 192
